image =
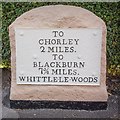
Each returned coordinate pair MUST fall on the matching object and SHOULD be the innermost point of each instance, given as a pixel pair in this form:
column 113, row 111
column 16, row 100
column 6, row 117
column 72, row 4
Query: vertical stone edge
column 13, row 56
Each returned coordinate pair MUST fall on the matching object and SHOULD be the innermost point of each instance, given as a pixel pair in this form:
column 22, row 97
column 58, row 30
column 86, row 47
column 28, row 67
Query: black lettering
column 50, row 49
column 95, row 79
column 85, row 79
column 74, row 79
column 22, row 78
column 41, row 42
column 55, row 79
column 71, row 49
column 66, row 49
column 66, row 79
column 80, row 79
column 90, row 79
column 34, row 64
column 74, row 72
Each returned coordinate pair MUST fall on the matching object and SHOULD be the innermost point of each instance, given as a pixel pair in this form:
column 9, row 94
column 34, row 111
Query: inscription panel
column 58, row 56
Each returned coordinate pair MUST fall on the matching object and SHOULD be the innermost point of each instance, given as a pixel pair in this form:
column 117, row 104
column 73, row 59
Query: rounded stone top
column 59, row 16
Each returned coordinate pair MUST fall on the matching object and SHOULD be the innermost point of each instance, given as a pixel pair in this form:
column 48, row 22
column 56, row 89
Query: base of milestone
column 78, row 105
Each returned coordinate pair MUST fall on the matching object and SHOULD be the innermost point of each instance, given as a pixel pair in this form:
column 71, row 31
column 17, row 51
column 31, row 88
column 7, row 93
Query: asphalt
column 112, row 111
column 0, row 93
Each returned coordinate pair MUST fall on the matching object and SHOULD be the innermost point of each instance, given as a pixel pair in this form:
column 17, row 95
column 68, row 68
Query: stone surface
column 58, row 16
column 111, row 113
column 9, row 113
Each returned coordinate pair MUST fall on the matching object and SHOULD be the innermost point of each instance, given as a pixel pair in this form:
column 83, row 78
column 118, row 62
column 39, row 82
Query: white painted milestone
column 58, row 56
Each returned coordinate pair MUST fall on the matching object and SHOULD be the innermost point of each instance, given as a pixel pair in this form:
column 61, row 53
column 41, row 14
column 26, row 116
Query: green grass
column 109, row 12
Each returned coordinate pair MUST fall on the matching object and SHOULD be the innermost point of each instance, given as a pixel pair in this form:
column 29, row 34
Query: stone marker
column 58, row 53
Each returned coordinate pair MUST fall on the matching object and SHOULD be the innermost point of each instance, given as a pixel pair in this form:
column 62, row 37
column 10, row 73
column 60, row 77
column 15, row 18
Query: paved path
column 0, row 94
column 111, row 112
